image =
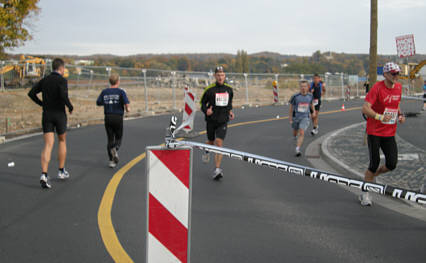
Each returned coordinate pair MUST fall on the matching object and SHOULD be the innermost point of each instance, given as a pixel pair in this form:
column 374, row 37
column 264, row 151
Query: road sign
column 405, row 46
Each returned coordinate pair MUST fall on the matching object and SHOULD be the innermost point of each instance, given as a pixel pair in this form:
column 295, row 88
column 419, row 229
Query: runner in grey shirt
column 300, row 108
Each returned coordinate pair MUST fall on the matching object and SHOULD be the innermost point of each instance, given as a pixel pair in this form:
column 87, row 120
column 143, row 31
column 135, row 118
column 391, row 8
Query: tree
column 13, row 28
column 372, row 72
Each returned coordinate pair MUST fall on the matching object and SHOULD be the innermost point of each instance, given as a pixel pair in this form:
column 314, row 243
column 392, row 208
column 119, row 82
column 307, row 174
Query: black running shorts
column 389, row 148
column 54, row 121
column 216, row 130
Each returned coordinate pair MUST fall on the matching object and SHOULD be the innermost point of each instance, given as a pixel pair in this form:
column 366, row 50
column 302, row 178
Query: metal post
column 78, row 78
column 91, row 79
column 357, row 87
column 342, row 83
column 2, row 82
column 108, row 70
column 246, row 82
column 173, row 89
column 145, row 89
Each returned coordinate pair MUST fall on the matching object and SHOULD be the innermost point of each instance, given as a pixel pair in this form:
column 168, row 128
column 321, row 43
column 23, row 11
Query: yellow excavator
column 27, row 70
column 414, row 71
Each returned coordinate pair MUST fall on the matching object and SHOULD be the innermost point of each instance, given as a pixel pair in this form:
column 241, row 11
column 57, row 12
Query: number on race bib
column 393, row 113
column 303, row 107
column 222, row 99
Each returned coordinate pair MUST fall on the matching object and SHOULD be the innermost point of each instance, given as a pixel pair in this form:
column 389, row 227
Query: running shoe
column 112, row 164
column 206, row 157
column 63, row 175
column 114, row 154
column 298, row 153
column 218, row 174
column 44, row 182
column 365, row 199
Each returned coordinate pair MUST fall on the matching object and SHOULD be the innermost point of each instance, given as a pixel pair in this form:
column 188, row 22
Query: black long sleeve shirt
column 54, row 89
column 220, row 98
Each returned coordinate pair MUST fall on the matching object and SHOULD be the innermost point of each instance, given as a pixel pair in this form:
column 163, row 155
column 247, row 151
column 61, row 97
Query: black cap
column 218, row 69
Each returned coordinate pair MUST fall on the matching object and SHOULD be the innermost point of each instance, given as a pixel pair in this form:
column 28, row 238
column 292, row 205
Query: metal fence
column 152, row 91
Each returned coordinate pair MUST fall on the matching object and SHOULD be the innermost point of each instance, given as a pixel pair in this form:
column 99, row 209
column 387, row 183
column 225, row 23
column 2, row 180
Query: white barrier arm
column 296, row 169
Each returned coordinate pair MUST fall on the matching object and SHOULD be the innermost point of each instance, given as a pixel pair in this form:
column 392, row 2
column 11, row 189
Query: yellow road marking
column 106, row 227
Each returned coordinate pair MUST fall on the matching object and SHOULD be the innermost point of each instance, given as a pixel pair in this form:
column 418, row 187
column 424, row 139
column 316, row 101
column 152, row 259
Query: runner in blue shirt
column 300, row 107
column 115, row 101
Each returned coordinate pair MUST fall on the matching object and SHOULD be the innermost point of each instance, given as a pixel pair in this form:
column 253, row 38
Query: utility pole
column 372, row 73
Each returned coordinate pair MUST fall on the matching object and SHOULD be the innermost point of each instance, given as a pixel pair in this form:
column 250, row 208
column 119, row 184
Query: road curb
column 328, row 157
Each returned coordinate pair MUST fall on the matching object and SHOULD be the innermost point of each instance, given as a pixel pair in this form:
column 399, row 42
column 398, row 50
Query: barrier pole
column 169, row 187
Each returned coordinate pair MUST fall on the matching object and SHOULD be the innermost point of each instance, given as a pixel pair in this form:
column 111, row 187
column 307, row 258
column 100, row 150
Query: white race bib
column 303, row 107
column 222, row 99
column 315, row 102
column 393, row 113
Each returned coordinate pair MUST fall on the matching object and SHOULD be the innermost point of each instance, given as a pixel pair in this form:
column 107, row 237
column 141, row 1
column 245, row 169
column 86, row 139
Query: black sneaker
column 44, row 182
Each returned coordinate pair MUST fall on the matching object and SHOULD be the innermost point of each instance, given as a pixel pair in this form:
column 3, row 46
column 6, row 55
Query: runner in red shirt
column 382, row 109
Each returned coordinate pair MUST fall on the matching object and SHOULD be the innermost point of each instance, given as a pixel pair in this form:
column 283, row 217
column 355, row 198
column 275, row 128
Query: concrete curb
column 331, row 159
column 328, row 157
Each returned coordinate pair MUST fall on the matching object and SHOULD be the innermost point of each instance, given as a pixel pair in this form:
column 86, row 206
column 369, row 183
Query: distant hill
column 261, row 62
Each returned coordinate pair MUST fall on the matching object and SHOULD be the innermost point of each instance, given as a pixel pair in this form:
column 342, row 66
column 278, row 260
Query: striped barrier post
column 189, row 110
column 169, row 173
column 275, row 91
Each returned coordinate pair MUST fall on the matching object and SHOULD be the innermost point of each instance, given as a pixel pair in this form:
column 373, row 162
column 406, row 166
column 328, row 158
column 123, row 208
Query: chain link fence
column 150, row 91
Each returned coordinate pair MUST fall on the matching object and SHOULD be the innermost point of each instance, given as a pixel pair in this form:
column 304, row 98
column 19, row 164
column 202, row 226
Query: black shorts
column 317, row 108
column 389, row 148
column 216, row 130
column 54, row 121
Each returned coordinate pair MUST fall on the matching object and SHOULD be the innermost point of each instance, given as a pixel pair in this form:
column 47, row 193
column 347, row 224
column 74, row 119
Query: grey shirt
column 301, row 105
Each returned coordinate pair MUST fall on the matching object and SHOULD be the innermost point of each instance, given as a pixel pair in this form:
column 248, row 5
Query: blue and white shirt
column 113, row 100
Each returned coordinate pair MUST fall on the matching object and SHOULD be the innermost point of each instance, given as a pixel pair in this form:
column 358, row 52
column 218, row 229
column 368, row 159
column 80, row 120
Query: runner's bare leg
column 218, row 157
column 62, row 149
column 49, row 141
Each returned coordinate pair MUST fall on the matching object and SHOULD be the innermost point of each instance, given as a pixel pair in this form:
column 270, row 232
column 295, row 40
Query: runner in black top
column 115, row 101
column 216, row 103
column 54, row 89
column 317, row 89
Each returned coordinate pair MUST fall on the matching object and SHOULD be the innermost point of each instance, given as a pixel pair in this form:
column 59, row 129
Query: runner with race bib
column 382, row 109
column 216, row 103
column 317, row 89
column 300, row 107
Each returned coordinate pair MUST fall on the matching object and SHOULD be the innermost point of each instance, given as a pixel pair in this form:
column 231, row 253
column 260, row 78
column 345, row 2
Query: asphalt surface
column 255, row 214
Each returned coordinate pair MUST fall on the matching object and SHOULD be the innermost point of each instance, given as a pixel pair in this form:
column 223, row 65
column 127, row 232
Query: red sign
column 405, row 46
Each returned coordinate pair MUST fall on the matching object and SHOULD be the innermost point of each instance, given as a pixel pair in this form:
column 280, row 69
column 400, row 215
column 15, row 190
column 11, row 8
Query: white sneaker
column 114, row 154
column 218, row 174
column 63, row 175
column 206, row 157
column 298, row 153
column 112, row 164
column 44, row 182
column 365, row 199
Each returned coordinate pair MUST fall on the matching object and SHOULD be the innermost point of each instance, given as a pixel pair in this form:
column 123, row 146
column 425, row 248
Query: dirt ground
column 19, row 115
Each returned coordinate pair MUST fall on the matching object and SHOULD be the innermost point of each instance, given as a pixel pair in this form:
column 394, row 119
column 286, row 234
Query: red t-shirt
column 384, row 101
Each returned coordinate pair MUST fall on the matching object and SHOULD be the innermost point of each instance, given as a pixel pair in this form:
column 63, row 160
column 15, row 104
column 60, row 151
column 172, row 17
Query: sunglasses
column 220, row 68
column 394, row 73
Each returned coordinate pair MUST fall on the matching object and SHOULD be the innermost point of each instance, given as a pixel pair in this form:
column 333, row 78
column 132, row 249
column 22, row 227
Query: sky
column 126, row 27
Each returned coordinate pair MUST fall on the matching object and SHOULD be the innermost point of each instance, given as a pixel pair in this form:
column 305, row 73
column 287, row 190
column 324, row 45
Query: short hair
column 316, row 75
column 114, row 78
column 303, row 81
column 57, row 63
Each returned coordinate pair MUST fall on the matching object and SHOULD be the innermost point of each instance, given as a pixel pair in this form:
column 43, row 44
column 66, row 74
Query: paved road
column 254, row 215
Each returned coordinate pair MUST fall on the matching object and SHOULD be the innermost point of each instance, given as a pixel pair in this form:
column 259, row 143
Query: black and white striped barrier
column 296, row 169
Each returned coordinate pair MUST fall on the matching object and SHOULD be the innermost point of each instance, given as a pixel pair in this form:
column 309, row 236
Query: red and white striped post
column 168, row 204
column 275, row 90
column 189, row 110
